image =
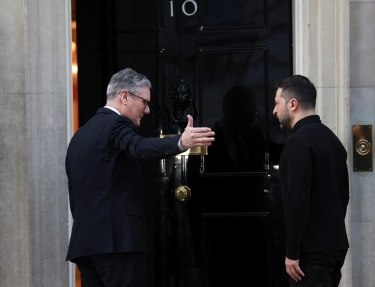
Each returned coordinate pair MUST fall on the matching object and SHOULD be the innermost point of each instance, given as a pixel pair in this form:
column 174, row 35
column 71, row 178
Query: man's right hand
column 194, row 137
column 293, row 269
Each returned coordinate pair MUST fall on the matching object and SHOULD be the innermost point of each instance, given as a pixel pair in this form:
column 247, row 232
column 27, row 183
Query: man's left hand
column 193, row 137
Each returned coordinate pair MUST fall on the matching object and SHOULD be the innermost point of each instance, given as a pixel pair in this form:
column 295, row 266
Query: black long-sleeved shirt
column 315, row 187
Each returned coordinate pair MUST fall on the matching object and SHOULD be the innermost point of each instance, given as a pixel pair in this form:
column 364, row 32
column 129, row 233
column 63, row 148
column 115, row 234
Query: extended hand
column 292, row 268
column 192, row 137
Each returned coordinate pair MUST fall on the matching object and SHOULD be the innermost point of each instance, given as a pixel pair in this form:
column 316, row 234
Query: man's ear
column 293, row 104
column 123, row 97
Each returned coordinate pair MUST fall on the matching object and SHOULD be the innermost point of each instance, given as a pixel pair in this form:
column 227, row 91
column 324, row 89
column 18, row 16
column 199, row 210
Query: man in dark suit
column 108, row 241
column 315, row 188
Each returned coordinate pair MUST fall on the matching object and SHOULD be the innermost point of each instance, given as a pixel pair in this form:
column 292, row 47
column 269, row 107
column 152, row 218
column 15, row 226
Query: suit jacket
column 104, row 180
column 315, row 188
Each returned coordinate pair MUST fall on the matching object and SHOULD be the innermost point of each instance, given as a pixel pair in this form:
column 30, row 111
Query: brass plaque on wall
column 192, row 151
column 362, row 147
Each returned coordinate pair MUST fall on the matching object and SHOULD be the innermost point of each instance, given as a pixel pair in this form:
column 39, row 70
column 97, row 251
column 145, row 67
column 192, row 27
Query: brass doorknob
column 182, row 193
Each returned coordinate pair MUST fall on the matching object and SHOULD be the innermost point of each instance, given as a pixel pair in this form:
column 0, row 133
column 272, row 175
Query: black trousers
column 113, row 270
column 321, row 269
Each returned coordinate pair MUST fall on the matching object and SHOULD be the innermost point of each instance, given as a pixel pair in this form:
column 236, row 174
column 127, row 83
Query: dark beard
column 285, row 121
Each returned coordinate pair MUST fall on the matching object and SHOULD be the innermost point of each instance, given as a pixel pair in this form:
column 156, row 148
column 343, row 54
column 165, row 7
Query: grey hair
column 126, row 79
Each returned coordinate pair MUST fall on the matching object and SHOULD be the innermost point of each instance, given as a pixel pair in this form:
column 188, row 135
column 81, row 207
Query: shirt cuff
column 179, row 146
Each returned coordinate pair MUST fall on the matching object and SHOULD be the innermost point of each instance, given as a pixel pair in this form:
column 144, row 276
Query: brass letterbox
column 192, row 151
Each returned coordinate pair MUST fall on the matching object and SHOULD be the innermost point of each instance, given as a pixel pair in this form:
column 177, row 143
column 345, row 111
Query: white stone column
column 34, row 88
column 13, row 148
column 321, row 53
column 48, row 82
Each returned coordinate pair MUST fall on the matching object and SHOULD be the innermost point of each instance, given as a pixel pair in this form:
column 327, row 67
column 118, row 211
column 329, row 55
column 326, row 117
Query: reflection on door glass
column 239, row 142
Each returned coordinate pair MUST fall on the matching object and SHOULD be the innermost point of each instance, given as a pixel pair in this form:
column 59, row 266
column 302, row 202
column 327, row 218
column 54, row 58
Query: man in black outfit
column 108, row 241
column 315, row 188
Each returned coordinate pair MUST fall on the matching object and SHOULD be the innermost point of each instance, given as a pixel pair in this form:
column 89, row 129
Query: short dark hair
column 300, row 88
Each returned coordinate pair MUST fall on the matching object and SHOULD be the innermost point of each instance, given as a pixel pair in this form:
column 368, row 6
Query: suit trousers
column 113, row 270
column 321, row 269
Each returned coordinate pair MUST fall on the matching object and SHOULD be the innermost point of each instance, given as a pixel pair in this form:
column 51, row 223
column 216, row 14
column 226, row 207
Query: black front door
column 219, row 61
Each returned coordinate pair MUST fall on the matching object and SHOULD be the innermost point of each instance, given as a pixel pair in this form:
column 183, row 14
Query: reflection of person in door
column 239, row 142
column 104, row 179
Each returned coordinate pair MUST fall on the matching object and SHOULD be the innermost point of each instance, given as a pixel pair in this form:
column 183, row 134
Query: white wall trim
column 69, row 109
column 298, row 32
